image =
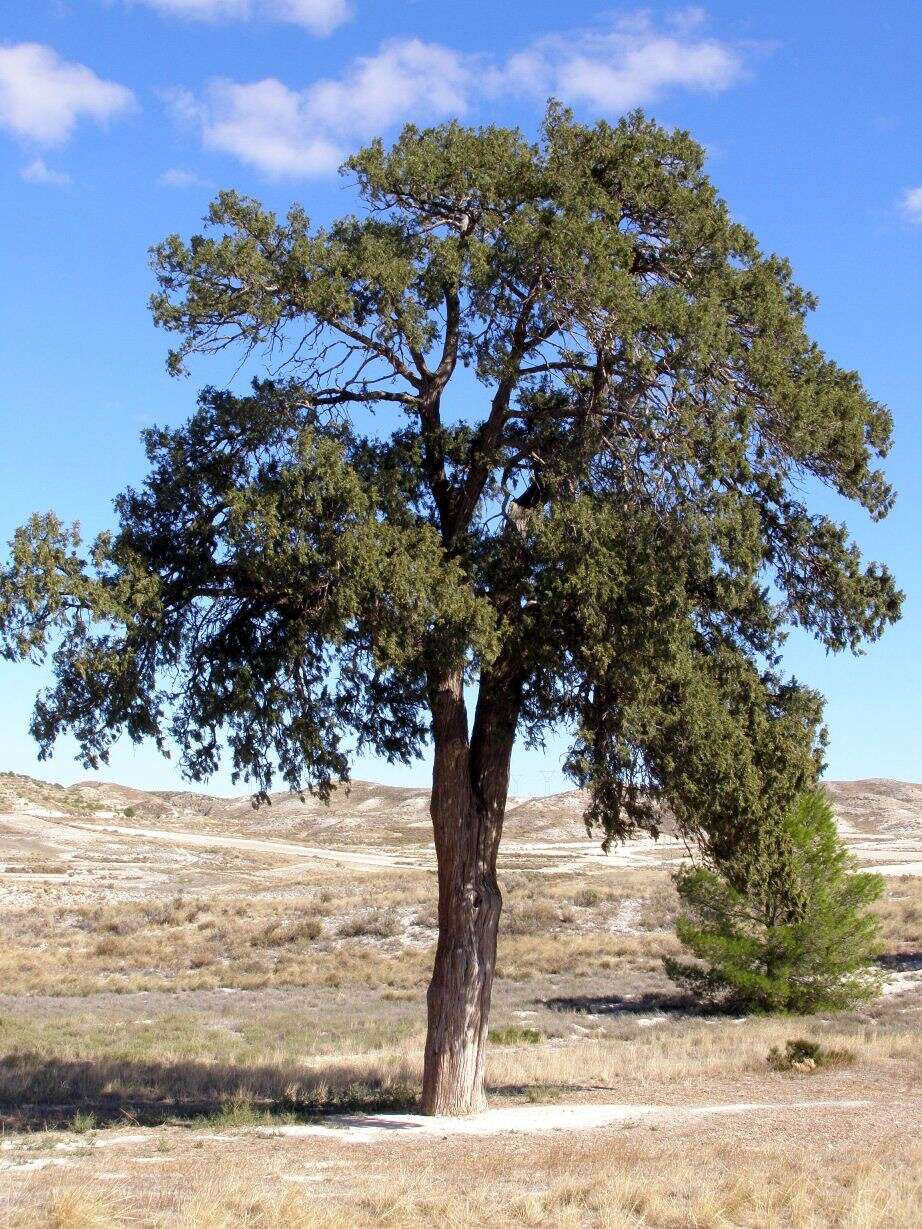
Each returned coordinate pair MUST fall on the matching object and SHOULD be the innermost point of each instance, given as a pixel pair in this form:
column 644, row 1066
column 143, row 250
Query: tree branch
column 377, row 347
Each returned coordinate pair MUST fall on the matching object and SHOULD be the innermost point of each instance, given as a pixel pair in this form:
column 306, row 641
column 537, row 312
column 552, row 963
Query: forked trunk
column 468, row 798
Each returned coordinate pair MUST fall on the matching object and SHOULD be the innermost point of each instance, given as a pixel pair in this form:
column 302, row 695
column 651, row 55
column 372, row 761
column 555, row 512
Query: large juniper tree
column 602, row 528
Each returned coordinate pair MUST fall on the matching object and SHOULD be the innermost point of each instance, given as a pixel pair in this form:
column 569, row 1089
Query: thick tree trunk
column 459, row 992
column 469, row 784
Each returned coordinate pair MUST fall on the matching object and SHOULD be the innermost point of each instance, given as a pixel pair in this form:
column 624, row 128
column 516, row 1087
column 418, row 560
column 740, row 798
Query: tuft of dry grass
column 76, row 1205
column 279, row 933
column 370, row 924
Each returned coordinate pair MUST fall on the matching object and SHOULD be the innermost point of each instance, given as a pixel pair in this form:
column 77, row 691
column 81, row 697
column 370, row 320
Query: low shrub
column 83, row 1122
column 373, row 924
column 279, row 934
column 175, row 912
column 802, row 1054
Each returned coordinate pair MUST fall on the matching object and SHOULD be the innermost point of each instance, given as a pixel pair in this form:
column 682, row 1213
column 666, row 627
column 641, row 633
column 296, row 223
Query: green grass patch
column 512, row 1035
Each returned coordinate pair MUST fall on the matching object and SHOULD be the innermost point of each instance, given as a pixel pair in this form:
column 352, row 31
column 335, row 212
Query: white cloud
column 38, row 171
column 175, row 177
column 262, row 124
column 318, row 16
column 912, row 204
column 308, row 132
column 43, row 96
column 629, row 64
column 610, row 69
column 406, row 77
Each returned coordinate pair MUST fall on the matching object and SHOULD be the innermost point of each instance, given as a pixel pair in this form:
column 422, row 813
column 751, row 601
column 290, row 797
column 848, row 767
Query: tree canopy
column 541, row 418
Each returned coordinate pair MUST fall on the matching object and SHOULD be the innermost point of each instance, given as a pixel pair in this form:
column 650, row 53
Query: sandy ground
column 378, row 1128
column 152, row 1165
column 532, row 1119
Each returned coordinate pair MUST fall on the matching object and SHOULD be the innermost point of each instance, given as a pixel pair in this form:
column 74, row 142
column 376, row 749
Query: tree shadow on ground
column 41, row 1092
column 652, row 1001
column 901, row 962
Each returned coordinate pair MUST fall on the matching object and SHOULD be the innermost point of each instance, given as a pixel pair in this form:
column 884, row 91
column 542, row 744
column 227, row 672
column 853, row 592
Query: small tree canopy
column 785, row 924
column 606, row 523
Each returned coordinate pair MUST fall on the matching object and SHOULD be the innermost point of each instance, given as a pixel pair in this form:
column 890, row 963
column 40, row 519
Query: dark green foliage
column 785, row 924
column 801, row 1054
column 609, row 519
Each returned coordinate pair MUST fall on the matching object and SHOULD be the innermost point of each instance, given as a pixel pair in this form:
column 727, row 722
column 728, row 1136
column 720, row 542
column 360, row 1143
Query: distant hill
column 878, row 806
column 365, row 811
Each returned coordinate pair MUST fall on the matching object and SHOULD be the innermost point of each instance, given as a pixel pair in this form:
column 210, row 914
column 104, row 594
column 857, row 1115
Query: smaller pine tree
column 785, row 926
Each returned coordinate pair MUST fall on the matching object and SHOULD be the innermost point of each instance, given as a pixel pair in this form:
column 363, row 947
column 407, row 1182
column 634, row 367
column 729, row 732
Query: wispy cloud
column 42, row 96
column 301, row 132
column 38, row 172
column 912, row 204
column 319, row 16
column 630, row 63
column 305, row 132
column 175, row 177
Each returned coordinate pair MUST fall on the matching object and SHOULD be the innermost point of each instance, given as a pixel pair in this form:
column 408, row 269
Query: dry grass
column 372, row 933
column 362, row 945
column 79, row 1205
column 43, row 1091
column 255, row 953
column 663, row 1063
column 369, row 941
column 196, row 944
column 371, row 924
column 900, row 912
column 571, row 1183
column 686, row 1061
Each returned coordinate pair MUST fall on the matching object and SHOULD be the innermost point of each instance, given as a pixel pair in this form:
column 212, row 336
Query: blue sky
column 119, row 118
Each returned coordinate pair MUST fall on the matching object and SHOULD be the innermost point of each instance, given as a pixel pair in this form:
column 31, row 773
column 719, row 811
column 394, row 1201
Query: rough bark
column 469, row 785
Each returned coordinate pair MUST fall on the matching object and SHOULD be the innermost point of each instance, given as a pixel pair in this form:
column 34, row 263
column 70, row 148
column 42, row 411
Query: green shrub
column 784, row 927
column 802, row 1054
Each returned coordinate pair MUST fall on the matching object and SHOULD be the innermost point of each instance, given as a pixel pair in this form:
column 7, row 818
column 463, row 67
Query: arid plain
column 213, row 1016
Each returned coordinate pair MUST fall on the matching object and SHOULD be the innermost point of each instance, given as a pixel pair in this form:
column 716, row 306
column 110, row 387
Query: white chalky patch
column 372, row 1128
